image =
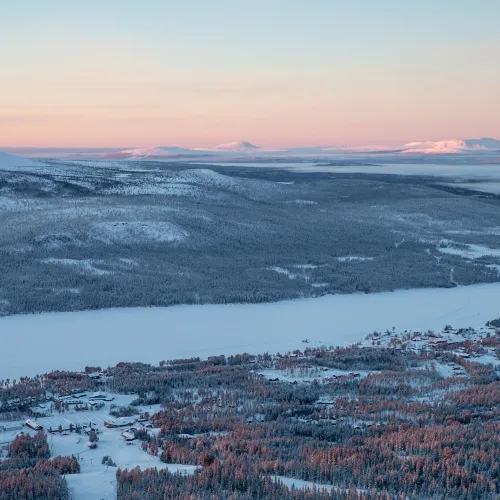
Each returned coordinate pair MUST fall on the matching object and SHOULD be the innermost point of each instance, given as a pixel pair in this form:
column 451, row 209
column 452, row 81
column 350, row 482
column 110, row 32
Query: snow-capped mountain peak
column 452, row 146
column 152, row 153
column 237, row 147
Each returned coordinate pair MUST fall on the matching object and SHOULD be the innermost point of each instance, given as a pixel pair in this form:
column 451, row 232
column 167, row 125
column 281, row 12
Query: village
column 169, row 416
column 85, row 425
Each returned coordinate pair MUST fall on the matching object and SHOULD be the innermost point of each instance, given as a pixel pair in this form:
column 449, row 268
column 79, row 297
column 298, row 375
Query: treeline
column 232, row 480
column 30, row 474
column 32, row 484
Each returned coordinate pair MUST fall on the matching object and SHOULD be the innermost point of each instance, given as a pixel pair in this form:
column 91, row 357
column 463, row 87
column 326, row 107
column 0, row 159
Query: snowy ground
column 463, row 171
column 300, row 484
column 95, row 481
column 308, row 374
column 456, row 171
column 34, row 344
column 469, row 251
column 486, row 187
column 483, row 177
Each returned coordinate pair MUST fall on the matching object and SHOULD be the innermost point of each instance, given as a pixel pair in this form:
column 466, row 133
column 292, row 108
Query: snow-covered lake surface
column 487, row 171
column 462, row 171
column 32, row 344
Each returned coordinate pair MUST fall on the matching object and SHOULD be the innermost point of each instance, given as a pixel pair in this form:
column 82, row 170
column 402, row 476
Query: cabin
column 100, row 396
column 33, row 425
column 325, row 401
column 128, row 435
column 121, row 422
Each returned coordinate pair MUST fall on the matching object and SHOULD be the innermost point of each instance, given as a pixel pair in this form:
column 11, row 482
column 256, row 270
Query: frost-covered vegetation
column 400, row 415
column 86, row 235
column 28, row 473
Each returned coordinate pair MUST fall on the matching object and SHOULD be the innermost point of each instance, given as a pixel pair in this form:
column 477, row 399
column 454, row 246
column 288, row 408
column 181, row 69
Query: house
column 325, row 401
column 128, row 435
column 119, row 422
column 33, row 424
column 100, row 395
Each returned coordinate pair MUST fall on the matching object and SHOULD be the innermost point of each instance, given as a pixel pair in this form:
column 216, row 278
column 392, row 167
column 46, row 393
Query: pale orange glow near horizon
column 266, row 117
column 77, row 80
column 97, row 114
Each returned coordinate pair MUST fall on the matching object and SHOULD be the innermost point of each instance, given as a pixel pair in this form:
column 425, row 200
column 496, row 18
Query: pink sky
column 322, row 73
column 146, row 113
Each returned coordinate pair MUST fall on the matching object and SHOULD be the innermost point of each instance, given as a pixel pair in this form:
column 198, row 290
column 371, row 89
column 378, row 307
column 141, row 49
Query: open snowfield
column 95, row 480
column 492, row 187
column 300, row 484
column 34, row 344
column 461, row 171
column 378, row 166
column 476, row 177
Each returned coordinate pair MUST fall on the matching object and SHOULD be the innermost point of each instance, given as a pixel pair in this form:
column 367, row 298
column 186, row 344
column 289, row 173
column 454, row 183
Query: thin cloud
column 82, row 106
column 28, row 118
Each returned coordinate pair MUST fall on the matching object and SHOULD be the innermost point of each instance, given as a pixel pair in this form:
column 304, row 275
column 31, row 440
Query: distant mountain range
column 154, row 153
column 237, row 147
column 453, row 146
column 246, row 149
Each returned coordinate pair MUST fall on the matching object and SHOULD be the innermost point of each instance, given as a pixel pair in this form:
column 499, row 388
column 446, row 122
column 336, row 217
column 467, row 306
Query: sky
column 278, row 73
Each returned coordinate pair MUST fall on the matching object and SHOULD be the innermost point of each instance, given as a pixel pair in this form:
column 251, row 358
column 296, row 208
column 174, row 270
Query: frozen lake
column 32, row 344
column 464, row 171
